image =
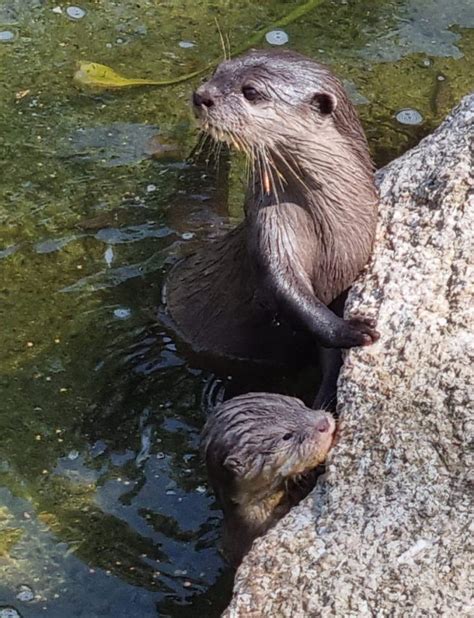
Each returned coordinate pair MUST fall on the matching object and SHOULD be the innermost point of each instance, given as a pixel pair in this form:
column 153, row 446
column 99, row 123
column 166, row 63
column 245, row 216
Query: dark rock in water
column 53, row 244
column 116, row 144
column 25, row 593
column 387, row 532
column 100, row 221
column 8, row 251
column 132, row 233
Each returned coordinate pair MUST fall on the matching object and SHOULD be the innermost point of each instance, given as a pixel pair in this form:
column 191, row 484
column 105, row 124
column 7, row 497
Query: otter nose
column 322, row 425
column 202, row 99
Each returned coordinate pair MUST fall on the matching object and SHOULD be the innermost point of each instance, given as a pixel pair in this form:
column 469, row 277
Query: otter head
column 272, row 100
column 254, row 444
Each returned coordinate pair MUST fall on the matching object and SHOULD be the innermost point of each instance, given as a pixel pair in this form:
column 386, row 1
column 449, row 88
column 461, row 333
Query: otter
column 310, row 215
column 262, row 453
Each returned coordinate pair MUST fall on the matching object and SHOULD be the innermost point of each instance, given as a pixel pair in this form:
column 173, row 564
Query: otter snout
column 202, row 98
column 323, row 425
column 322, row 437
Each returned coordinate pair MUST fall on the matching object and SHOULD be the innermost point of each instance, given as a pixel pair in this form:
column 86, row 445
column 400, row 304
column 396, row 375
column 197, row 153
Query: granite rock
column 386, row 532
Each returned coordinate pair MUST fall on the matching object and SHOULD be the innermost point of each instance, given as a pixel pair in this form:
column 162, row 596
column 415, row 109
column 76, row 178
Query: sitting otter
column 310, row 215
column 262, row 451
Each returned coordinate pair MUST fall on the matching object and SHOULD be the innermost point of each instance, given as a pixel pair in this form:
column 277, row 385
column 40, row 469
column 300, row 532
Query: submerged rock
column 9, row 612
column 386, row 532
column 25, row 593
column 116, row 144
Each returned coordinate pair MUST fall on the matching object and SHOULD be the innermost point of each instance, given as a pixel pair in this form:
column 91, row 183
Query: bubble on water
column 109, row 256
column 409, row 116
column 73, row 455
column 180, row 572
column 75, row 12
column 150, row 188
column 25, row 593
column 200, row 489
column 276, row 37
column 6, row 36
column 186, row 44
column 122, row 313
column 187, row 235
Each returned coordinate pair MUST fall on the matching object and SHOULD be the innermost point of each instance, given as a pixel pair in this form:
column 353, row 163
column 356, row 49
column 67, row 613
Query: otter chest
column 285, row 241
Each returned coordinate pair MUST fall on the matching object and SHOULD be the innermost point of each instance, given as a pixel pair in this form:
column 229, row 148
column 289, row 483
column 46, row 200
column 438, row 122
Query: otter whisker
column 233, row 141
column 252, row 166
column 220, row 147
column 259, row 167
column 280, row 177
column 239, row 143
column 270, row 180
column 249, row 165
column 287, row 161
column 203, row 139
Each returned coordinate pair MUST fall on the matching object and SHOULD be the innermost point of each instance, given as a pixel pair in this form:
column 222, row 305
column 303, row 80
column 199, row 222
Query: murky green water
column 104, row 507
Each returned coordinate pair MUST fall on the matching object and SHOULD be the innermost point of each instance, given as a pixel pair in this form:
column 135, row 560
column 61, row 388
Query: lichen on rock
column 386, row 532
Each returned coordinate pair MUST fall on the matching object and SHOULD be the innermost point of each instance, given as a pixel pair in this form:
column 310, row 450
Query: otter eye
column 250, row 93
column 287, row 436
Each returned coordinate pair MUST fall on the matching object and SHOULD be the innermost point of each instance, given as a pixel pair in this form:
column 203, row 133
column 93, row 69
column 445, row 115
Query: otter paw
column 360, row 331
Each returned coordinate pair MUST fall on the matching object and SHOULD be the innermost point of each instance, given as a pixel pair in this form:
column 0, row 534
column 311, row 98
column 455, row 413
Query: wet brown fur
column 262, row 451
column 310, row 211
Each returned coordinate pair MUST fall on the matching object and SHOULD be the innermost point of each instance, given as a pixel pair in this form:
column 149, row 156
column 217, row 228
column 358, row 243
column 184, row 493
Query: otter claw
column 357, row 331
column 365, row 328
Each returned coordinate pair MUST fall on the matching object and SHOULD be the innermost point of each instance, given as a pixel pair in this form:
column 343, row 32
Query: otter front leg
column 300, row 305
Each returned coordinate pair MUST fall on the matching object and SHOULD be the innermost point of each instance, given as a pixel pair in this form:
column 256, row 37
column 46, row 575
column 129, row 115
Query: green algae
column 9, row 535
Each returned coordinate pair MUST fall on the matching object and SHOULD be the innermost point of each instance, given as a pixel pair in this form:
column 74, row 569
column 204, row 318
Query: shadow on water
column 104, row 504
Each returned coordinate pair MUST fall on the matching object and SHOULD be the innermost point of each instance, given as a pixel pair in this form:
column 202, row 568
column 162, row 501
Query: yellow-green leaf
column 100, row 76
column 94, row 75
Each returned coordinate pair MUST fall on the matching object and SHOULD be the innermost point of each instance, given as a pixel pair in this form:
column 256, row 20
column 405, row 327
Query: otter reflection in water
column 310, row 216
column 262, row 451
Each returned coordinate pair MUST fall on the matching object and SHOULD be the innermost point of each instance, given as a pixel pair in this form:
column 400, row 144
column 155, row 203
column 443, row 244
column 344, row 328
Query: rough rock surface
column 387, row 531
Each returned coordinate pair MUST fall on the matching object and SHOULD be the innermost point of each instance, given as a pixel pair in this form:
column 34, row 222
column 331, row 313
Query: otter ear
column 234, row 465
column 324, row 102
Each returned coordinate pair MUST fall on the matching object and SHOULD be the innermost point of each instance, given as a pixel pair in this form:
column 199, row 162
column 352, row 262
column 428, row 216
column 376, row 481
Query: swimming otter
column 261, row 452
column 310, row 214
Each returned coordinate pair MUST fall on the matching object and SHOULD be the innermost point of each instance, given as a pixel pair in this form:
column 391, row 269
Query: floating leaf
column 94, row 75
column 100, row 76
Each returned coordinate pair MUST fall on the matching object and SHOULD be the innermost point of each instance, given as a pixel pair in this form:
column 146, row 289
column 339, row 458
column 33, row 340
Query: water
column 104, row 506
